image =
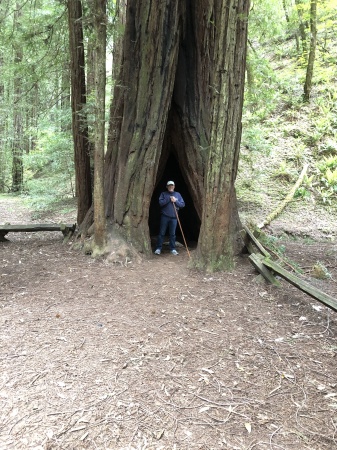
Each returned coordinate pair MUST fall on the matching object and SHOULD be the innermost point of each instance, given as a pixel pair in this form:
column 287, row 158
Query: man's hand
column 173, row 199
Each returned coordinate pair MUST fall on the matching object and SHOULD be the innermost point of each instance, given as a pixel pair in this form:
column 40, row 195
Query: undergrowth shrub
column 254, row 138
column 329, row 162
column 327, row 178
column 329, row 147
column 285, row 172
column 320, row 271
column 303, row 193
column 49, row 169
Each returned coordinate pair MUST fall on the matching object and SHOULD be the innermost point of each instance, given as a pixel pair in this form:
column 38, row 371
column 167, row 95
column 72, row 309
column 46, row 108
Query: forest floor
column 96, row 355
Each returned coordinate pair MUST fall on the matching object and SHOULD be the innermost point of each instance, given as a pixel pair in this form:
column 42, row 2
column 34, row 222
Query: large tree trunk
column 179, row 93
column 142, row 100
column 216, row 248
column 78, row 101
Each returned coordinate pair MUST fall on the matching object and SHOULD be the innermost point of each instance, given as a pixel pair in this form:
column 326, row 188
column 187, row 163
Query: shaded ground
column 156, row 356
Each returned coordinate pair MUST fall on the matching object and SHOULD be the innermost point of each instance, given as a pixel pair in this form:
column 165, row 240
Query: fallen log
column 287, row 199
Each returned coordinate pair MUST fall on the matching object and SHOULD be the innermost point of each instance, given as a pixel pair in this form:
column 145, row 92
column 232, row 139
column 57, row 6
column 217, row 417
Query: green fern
column 331, row 177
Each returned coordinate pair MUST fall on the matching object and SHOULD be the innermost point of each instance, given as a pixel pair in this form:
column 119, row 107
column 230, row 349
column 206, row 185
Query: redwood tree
column 220, row 222
column 179, row 92
column 100, row 24
column 78, row 102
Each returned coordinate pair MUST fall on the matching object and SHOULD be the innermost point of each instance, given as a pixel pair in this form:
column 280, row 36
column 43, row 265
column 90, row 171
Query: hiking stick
column 175, row 210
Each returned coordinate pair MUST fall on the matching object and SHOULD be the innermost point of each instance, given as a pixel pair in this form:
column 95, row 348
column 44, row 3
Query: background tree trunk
column 3, row 159
column 65, row 97
column 17, row 146
column 89, row 32
column 119, row 19
column 301, row 26
column 285, row 9
column 312, row 52
column 78, row 101
column 100, row 23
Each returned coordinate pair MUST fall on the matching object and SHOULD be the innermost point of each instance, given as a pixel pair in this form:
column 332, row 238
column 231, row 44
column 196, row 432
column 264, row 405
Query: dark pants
column 171, row 223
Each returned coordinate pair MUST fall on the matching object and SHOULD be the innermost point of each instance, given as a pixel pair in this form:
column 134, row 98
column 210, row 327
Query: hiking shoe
column 157, row 252
column 174, row 252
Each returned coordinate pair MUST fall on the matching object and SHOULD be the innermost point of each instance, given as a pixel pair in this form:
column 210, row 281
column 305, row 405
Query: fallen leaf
column 84, row 436
column 77, row 429
column 49, row 433
column 288, row 376
column 205, row 408
column 330, row 395
column 207, row 370
column 159, row 434
column 248, row 427
column 317, row 307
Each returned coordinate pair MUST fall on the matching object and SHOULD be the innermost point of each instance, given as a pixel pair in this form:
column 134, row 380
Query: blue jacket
column 166, row 205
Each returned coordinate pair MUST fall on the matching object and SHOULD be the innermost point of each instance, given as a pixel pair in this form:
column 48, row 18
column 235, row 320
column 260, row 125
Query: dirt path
column 156, row 356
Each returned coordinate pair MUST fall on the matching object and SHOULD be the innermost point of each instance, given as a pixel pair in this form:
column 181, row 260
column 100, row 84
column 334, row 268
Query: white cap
column 170, row 183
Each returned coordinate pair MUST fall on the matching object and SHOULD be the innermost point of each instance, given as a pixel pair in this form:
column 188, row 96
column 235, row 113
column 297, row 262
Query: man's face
column 170, row 187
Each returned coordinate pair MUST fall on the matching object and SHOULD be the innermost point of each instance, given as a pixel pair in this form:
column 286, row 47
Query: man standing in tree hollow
column 170, row 202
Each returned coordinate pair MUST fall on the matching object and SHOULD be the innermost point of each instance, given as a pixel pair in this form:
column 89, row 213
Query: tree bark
column 78, row 101
column 312, row 52
column 100, row 22
column 119, row 20
column 142, row 99
column 3, row 159
column 89, row 32
column 218, row 235
column 17, row 148
column 179, row 92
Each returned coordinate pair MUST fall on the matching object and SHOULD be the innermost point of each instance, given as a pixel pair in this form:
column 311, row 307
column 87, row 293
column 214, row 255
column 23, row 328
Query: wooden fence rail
column 267, row 268
column 66, row 229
